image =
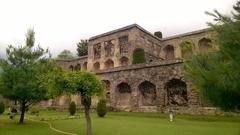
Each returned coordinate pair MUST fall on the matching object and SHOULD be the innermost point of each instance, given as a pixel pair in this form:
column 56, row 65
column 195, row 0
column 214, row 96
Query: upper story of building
column 115, row 48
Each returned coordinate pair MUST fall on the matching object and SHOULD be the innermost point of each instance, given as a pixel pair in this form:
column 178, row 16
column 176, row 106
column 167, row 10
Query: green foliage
column 82, row 48
column 217, row 74
column 186, row 46
column 101, row 108
column 65, row 54
column 138, row 56
column 2, row 108
column 72, row 108
column 21, row 75
column 86, row 84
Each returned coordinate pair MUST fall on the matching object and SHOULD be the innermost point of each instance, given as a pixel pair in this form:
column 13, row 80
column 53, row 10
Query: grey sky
column 60, row 24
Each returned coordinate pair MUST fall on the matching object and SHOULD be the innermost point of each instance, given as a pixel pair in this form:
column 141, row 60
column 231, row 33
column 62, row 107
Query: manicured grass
column 123, row 123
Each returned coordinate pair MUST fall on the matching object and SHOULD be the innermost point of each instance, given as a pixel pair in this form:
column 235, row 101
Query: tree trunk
column 86, row 101
column 23, row 108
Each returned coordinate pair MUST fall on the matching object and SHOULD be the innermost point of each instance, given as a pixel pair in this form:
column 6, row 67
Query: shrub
column 138, row 56
column 72, row 108
column 101, row 108
column 2, row 108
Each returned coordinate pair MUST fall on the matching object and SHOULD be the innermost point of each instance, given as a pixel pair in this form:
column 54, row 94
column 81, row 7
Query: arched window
column 186, row 48
column 124, row 94
column 169, row 52
column 148, row 93
column 96, row 66
column 204, row 45
column 109, row 64
column 124, row 61
column 177, row 92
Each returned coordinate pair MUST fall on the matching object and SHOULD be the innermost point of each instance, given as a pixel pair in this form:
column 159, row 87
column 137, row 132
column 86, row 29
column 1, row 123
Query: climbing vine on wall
column 138, row 56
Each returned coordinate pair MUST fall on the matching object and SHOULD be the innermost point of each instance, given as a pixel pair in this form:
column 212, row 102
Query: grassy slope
column 129, row 124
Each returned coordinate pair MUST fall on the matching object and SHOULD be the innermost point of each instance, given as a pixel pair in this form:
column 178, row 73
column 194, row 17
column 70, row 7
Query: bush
column 2, row 108
column 138, row 56
column 72, row 108
column 101, row 108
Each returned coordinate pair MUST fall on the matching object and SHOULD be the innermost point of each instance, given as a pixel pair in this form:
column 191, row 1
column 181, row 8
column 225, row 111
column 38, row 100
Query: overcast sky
column 60, row 24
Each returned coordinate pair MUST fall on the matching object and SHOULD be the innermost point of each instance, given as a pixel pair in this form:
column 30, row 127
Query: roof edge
column 122, row 29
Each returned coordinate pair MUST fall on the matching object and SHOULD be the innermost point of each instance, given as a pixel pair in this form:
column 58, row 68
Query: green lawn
column 123, row 123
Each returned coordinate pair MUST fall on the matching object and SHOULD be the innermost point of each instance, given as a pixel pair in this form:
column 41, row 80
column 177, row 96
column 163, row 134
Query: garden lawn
column 124, row 123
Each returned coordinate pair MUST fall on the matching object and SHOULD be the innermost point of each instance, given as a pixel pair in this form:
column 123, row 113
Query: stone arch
column 124, row 94
column 148, row 93
column 96, row 66
column 109, row 64
column 71, row 67
column 169, row 52
column 124, row 61
column 77, row 67
column 84, row 67
column 176, row 92
column 107, row 87
column 186, row 49
column 204, row 44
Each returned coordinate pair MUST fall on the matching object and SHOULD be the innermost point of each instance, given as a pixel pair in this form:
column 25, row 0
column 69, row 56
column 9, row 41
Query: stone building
column 159, row 84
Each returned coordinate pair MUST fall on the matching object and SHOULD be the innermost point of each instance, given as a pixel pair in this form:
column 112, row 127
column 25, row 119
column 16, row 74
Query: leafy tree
column 65, row 54
column 21, row 72
column 216, row 74
column 2, row 108
column 138, row 56
column 82, row 48
column 72, row 108
column 87, row 85
column 101, row 108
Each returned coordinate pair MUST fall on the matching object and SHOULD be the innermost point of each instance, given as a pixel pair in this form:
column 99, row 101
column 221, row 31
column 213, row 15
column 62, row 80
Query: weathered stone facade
column 158, row 84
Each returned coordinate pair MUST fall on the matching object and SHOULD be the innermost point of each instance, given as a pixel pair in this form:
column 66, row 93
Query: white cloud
column 59, row 24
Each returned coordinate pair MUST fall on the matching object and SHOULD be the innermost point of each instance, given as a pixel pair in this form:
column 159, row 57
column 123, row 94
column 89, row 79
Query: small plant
column 101, row 108
column 2, row 108
column 72, row 108
column 186, row 46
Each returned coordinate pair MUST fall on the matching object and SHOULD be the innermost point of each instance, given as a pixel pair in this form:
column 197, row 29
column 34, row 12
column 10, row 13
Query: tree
column 82, row 48
column 21, row 73
column 138, row 56
column 101, row 108
column 87, row 85
column 216, row 74
column 72, row 108
column 65, row 54
column 2, row 108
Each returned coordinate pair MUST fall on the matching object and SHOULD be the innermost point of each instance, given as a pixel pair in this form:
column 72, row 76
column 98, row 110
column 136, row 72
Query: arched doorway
column 124, row 94
column 177, row 92
column 78, row 67
column 148, row 93
column 169, row 52
column 84, row 66
column 204, row 45
column 186, row 49
column 107, row 87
